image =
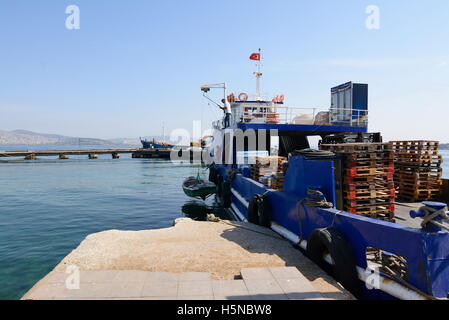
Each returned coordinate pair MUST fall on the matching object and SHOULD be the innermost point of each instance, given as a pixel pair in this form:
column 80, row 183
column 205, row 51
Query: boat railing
column 279, row 114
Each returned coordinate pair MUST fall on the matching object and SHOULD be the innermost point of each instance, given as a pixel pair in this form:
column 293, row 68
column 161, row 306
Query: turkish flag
column 255, row 56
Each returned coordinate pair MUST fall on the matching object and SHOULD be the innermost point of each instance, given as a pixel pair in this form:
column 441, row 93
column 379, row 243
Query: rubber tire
column 253, row 215
column 344, row 269
column 213, row 174
column 264, row 211
column 226, row 194
column 220, row 188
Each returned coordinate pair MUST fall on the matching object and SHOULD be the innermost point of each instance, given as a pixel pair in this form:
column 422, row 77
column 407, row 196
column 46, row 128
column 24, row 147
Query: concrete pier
column 192, row 260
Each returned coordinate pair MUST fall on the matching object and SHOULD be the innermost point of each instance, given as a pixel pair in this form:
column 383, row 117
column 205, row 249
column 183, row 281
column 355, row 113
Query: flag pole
column 258, row 76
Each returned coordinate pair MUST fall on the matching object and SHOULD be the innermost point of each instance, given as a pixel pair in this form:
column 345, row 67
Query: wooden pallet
column 376, row 185
column 417, row 144
column 369, row 163
column 377, row 212
column 435, row 171
column 368, row 171
column 369, row 202
column 368, row 179
column 357, row 147
column 387, row 155
column 369, row 194
column 420, row 197
column 412, row 157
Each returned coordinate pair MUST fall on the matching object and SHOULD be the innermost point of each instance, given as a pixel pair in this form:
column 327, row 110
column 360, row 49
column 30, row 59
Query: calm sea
column 48, row 206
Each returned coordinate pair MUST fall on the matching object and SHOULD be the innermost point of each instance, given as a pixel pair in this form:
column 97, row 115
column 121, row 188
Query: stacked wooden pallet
column 368, row 187
column 418, row 170
column 269, row 171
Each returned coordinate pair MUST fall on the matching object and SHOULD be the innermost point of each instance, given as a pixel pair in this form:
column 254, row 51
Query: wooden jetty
column 91, row 153
column 186, row 153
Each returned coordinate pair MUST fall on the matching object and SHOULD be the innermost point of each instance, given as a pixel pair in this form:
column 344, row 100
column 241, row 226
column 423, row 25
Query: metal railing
column 276, row 114
column 279, row 114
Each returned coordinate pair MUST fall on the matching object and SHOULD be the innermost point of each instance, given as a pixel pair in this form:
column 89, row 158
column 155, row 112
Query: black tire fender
column 226, row 194
column 259, row 211
column 220, row 187
column 253, row 215
column 344, row 268
column 213, row 174
column 264, row 211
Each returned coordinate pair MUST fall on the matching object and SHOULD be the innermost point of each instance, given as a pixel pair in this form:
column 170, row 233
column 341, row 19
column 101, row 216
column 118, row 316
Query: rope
column 431, row 214
column 314, row 198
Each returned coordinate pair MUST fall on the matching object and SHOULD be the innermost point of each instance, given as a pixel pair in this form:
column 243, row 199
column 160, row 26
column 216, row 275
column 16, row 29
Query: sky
column 133, row 65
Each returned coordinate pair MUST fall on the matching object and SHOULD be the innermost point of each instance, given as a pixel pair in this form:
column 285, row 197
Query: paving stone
column 205, row 297
column 160, row 289
column 256, row 273
column 298, row 289
column 194, row 276
column 285, row 273
column 263, row 286
column 86, row 291
column 233, row 297
column 161, row 276
column 279, row 296
column 131, row 289
column 229, row 288
column 97, row 276
column 130, row 276
column 195, row 288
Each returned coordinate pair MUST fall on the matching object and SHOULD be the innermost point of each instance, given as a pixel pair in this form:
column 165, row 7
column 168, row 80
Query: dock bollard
column 433, row 214
column 93, row 156
column 115, row 156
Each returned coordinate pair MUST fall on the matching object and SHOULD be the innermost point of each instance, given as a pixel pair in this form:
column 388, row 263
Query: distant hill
column 24, row 137
column 444, row 146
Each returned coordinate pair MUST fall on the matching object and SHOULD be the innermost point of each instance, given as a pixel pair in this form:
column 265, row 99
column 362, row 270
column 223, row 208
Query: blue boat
column 373, row 258
column 153, row 144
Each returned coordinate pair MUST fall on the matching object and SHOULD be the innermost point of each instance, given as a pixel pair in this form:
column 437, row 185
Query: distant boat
column 153, row 144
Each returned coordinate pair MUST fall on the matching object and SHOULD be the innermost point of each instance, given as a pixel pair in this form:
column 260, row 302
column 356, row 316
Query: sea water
column 48, row 206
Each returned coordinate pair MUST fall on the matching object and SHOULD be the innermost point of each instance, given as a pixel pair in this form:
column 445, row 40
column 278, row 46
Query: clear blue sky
column 134, row 64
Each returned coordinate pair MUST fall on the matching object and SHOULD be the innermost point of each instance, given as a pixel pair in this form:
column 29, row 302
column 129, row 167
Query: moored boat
column 196, row 187
column 265, row 176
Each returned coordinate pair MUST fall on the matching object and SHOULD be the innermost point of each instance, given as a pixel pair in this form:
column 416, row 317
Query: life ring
column 243, row 96
column 344, row 268
column 231, row 98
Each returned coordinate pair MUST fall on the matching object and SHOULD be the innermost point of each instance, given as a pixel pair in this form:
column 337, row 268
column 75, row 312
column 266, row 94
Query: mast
column 258, row 75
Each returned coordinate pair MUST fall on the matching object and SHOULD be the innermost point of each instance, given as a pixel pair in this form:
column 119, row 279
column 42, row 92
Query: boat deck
column 402, row 214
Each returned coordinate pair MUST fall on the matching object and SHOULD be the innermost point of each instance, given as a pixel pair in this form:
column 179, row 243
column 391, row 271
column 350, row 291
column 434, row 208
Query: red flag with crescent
column 255, row 56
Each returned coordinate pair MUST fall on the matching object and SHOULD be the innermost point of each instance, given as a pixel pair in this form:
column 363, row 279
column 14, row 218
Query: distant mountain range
column 444, row 146
column 24, row 137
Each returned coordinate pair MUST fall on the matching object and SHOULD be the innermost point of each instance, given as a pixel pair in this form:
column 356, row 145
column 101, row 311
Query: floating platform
column 192, row 260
